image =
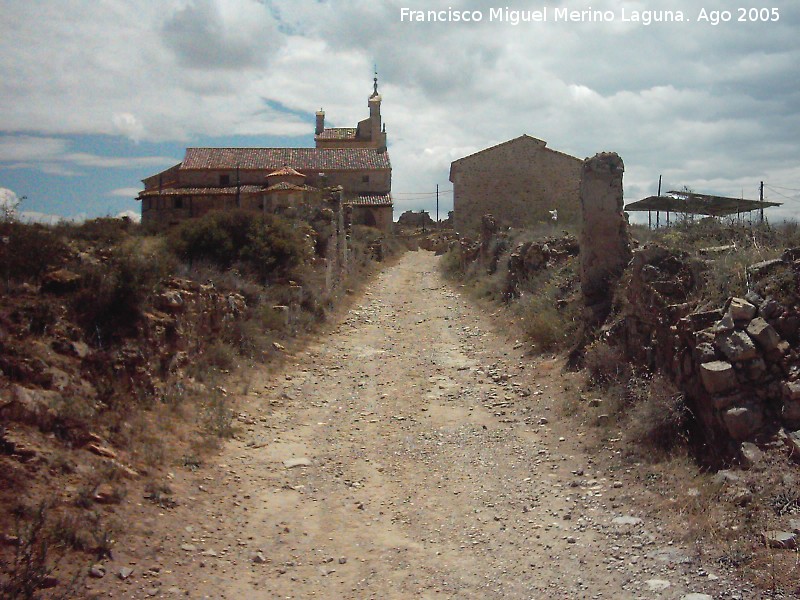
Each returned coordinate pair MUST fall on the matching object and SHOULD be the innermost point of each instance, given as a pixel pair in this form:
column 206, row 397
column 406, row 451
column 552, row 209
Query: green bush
column 113, row 294
column 264, row 244
column 27, row 250
column 107, row 231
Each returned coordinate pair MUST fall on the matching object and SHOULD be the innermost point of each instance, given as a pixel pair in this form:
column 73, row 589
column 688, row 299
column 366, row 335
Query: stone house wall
column 518, row 182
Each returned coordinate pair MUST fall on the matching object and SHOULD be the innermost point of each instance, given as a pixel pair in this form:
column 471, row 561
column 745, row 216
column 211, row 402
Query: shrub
column 112, row 294
column 28, row 251
column 107, row 231
column 265, row 244
column 658, row 421
column 606, row 365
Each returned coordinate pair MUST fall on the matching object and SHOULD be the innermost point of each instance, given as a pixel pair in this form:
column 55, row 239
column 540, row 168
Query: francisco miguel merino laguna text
column 542, row 15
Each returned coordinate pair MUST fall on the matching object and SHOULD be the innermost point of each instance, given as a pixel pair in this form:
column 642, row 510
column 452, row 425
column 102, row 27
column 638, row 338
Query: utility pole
column 238, row 188
column 761, row 197
column 658, row 212
column 437, row 205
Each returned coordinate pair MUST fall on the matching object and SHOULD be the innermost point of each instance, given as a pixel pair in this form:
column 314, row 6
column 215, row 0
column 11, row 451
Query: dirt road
column 413, row 453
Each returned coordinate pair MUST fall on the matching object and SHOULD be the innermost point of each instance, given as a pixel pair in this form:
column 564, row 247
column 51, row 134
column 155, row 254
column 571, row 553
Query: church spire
column 375, row 84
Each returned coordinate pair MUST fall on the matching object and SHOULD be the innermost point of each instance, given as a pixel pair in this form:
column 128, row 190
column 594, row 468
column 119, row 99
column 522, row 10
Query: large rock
column 736, row 346
column 60, row 281
column 743, row 421
column 34, row 407
column 764, row 333
column 718, row 376
column 741, row 310
column 791, row 391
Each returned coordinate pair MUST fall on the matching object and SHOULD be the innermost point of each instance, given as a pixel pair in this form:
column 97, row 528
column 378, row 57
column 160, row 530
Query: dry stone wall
column 738, row 365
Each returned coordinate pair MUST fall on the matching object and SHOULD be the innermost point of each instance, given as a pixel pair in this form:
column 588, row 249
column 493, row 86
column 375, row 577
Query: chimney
column 320, row 122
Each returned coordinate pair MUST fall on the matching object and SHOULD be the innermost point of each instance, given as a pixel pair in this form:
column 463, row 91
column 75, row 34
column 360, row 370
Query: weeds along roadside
column 117, row 349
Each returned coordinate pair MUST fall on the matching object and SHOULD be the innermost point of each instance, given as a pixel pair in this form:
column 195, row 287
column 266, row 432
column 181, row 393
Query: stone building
column 273, row 179
column 519, row 182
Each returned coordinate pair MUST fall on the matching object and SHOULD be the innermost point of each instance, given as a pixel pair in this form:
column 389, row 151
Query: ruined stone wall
column 605, row 242
column 518, row 182
column 738, row 364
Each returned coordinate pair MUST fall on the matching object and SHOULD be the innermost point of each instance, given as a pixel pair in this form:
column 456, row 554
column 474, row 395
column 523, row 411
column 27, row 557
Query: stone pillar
column 605, row 242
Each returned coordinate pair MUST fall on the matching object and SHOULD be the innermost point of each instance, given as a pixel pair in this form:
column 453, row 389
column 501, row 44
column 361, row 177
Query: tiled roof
column 290, row 186
column 337, row 133
column 272, row 159
column 371, row 200
column 202, row 191
column 285, row 171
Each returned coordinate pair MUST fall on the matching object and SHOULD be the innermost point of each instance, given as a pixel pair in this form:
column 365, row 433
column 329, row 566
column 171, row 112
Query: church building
column 272, row 179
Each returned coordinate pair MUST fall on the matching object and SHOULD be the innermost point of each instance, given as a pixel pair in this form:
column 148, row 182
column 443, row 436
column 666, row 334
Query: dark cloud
column 203, row 37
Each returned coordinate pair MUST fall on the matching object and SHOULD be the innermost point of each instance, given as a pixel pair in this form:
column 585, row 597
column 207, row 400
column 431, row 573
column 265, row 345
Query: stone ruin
column 605, row 243
column 416, row 220
column 738, row 364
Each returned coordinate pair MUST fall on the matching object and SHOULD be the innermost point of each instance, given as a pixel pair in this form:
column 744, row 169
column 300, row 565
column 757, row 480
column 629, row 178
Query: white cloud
column 9, row 202
column 704, row 106
column 130, row 214
column 128, row 125
column 125, row 192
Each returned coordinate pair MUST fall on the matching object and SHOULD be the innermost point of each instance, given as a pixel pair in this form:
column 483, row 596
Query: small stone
column 105, row 494
column 291, row 463
column 657, row 585
column 743, row 421
column 626, row 520
column 189, row 547
column 750, row 455
column 124, row 573
column 342, row 560
column 785, row 540
column 543, row 421
column 97, row 571
column 695, row 596
column 259, row 558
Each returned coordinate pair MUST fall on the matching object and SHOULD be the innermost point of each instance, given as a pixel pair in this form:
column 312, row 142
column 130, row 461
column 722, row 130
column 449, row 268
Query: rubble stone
column 718, row 376
column 741, row 310
column 743, row 421
column 751, row 456
column 736, row 346
column 763, row 333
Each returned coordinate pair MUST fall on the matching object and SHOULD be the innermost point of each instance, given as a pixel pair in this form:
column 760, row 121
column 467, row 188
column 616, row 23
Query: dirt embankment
column 414, row 453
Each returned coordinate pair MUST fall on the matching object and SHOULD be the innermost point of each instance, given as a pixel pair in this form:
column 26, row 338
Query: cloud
column 702, row 105
column 128, row 125
column 235, row 34
column 9, row 201
column 52, row 156
column 125, row 192
column 130, row 214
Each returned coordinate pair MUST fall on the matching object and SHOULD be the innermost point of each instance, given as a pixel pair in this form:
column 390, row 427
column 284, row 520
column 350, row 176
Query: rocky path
column 413, row 453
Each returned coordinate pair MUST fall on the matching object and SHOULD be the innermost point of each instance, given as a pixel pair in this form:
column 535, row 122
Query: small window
column 179, row 202
column 224, row 179
column 365, row 179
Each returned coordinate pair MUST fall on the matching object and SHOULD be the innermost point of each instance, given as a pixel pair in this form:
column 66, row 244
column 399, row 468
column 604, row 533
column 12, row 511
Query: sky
column 95, row 96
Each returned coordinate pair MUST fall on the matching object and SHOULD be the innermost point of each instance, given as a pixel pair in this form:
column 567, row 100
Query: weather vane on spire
column 375, row 84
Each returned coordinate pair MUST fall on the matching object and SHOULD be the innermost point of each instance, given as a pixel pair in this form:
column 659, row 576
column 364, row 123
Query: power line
column 784, row 188
column 795, row 197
